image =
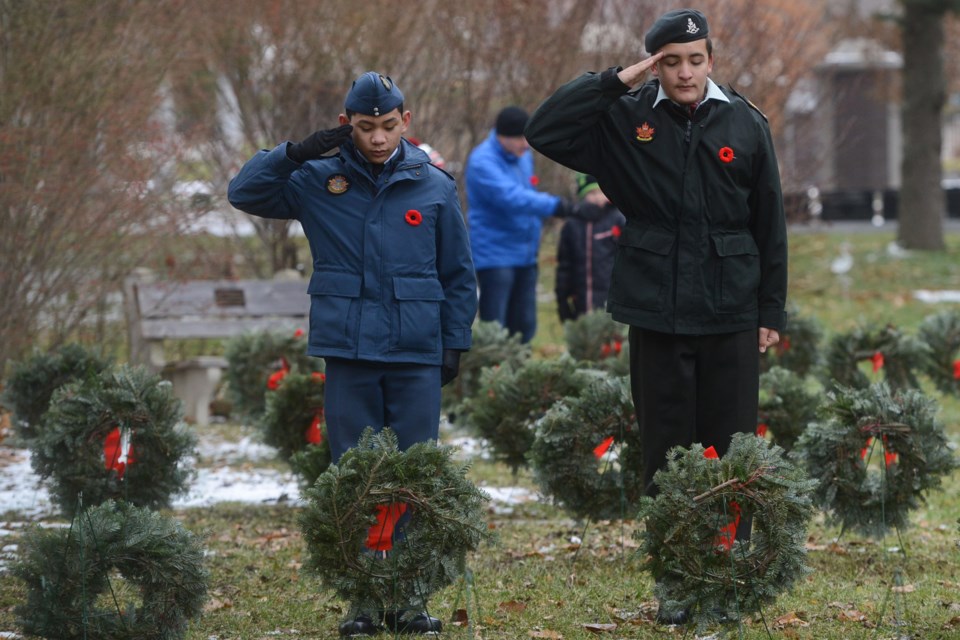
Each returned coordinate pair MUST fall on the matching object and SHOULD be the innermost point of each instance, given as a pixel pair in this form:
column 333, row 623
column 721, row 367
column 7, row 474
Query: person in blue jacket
column 505, row 212
column 393, row 291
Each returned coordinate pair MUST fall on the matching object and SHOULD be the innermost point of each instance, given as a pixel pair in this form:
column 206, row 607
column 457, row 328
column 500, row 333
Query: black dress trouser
column 686, row 389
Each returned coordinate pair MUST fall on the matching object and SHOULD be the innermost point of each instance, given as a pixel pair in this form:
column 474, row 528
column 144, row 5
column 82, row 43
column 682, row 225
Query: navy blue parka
column 393, row 278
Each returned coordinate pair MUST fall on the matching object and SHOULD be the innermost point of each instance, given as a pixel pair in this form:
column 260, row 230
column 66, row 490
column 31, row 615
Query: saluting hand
column 633, row 74
column 319, row 143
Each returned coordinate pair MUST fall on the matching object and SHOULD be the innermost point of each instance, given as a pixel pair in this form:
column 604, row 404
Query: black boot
column 419, row 623
column 362, row 625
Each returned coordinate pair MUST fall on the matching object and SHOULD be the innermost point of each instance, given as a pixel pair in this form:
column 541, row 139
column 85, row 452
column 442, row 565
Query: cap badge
column 645, row 132
column 338, row 184
column 692, row 27
column 385, row 81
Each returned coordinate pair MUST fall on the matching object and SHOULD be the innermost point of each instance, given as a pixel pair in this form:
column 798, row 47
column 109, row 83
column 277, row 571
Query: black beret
column 511, row 122
column 373, row 94
column 682, row 25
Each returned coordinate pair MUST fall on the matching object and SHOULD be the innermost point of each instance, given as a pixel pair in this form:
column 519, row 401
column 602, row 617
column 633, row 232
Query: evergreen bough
column 69, row 450
column 32, row 382
column 148, row 567
column 290, row 412
column 887, row 349
column 940, row 333
column 447, row 521
column 876, row 454
column 492, row 346
column 512, row 399
column 787, row 405
column 564, row 460
column 682, row 539
column 252, row 358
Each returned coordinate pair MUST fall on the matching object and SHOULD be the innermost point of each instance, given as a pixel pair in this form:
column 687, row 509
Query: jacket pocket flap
column 331, row 283
column 417, row 289
column 659, row 242
column 735, row 245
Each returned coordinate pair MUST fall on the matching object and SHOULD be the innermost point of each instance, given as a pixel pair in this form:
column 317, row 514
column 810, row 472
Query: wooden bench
column 158, row 311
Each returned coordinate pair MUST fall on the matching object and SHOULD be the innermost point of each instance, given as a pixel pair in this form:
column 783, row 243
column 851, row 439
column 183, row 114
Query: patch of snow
column 926, row 295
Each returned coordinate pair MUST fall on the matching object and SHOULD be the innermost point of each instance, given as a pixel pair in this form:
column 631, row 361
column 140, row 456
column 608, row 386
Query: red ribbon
column 114, row 458
column 603, row 447
column 277, row 376
column 314, row 435
column 956, row 369
column 762, row 429
column 728, row 532
column 877, row 360
column 380, row 535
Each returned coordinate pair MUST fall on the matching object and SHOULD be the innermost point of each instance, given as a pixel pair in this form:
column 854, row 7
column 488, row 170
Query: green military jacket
column 704, row 250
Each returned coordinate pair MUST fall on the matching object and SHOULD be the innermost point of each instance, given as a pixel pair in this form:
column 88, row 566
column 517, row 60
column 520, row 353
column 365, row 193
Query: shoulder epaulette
column 745, row 99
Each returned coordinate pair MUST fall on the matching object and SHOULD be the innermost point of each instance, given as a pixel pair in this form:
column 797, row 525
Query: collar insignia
column 645, row 132
column 338, row 184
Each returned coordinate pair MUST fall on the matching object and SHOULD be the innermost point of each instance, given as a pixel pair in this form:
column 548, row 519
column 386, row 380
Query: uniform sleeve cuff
column 610, row 82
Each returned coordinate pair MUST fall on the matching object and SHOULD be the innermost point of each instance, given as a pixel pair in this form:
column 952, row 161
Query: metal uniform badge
column 645, row 132
column 338, row 184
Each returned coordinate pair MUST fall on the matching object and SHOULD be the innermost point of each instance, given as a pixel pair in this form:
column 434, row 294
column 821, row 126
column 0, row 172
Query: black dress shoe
column 360, row 626
column 669, row 618
column 420, row 623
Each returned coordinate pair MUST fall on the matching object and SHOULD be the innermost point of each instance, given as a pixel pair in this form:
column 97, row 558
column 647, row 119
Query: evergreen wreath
column 118, row 436
column 799, row 346
column 875, row 455
column 447, row 520
column 890, row 351
column 689, row 540
column 595, row 337
column 70, row 572
column 787, row 405
column 587, row 452
column 940, row 332
column 32, row 382
column 257, row 362
column 293, row 423
column 492, row 346
column 512, row 399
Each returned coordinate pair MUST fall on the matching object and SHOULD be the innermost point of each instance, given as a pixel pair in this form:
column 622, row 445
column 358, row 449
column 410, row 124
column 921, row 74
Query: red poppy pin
column 726, row 154
column 534, row 180
column 413, row 217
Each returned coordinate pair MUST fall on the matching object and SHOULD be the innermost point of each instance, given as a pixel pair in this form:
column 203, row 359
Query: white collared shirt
column 713, row 93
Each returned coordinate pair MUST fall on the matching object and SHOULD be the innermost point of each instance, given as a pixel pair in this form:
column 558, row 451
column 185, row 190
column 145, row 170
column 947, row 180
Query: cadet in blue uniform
column 701, row 272
column 393, row 291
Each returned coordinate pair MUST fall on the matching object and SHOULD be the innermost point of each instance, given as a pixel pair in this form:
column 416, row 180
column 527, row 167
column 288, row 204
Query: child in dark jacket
column 588, row 244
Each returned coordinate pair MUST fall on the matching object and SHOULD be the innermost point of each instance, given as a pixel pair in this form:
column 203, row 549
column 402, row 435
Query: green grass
column 535, row 582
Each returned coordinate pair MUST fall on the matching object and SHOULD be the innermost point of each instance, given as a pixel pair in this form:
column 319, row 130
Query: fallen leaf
column 459, row 618
column 600, row 628
column 512, row 606
column 215, row 604
column 790, row 620
column 546, row 633
column 906, row 588
column 851, row 615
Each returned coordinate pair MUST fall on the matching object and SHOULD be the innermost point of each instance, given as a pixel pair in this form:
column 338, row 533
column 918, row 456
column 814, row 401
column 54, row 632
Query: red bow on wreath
column 277, row 376
column 728, row 532
column 603, row 447
column 380, row 535
column 314, row 435
column 956, row 369
column 118, row 451
column 877, row 360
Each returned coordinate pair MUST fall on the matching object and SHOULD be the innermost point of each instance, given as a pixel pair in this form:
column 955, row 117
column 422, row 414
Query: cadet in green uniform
column 701, row 271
